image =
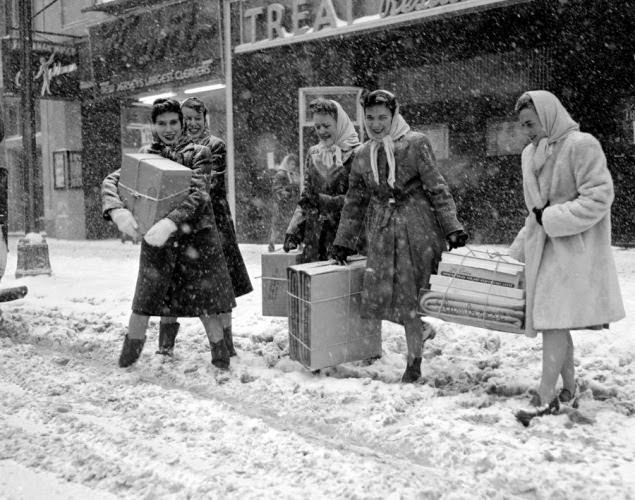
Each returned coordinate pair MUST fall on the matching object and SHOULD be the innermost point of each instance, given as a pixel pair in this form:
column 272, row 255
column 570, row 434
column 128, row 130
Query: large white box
column 325, row 325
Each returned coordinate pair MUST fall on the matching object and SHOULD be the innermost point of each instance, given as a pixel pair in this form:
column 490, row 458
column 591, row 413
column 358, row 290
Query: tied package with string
column 152, row 186
column 325, row 324
column 274, row 281
column 477, row 288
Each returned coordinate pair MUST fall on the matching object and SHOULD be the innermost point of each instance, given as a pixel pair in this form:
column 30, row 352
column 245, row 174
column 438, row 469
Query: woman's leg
column 555, row 347
column 568, row 368
column 414, row 337
column 168, row 328
column 214, row 329
column 135, row 339
column 137, row 326
column 226, row 318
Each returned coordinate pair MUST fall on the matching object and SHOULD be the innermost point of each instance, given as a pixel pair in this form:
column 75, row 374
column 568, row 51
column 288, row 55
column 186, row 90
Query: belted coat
column 407, row 225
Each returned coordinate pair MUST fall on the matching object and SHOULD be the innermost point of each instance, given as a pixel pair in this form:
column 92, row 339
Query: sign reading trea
column 269, row 23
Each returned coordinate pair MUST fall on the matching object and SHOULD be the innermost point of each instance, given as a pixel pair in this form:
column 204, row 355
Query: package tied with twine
column 152, row 186
column 325, row 323
column 477, row 288
column 274, row 281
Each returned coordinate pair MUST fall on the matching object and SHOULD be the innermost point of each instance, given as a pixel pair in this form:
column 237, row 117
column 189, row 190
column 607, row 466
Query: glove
column 340, row 254
column 457, row 239
column 291, row 242
column 538, row 213
column 124, row 220
column 158, row 234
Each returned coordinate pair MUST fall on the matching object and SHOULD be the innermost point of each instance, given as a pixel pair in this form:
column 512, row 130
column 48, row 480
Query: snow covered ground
column 75, row 426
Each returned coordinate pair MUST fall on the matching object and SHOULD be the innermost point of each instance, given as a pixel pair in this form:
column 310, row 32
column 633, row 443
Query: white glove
column 125, row 222
column 158, row 234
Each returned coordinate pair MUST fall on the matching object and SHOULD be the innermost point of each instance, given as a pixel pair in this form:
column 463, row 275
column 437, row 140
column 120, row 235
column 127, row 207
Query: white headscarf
column 556, row 121
column 346, row 139
column 398, row 128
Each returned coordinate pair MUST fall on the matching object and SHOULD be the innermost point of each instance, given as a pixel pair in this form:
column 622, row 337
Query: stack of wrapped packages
column 480, row 289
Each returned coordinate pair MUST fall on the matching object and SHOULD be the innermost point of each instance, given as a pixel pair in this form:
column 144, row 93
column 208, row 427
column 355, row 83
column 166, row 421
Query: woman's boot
column 220, row 354
column 413, row 371
column 167, row 338
column 229, row 341
column 525, row 416
column 130, row 351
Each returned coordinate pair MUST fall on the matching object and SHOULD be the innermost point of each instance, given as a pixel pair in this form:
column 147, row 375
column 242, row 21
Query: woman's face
column 194, row 122
column 531, row 126
column 167, row 126
column 378, row 120
column 325, row 126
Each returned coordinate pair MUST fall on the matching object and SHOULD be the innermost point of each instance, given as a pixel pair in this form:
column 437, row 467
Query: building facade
column 457, row 69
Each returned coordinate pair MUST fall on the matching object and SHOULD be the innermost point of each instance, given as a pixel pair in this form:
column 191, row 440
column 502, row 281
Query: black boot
column 526, row 415
column 220, row 355
column 130, row 351
column 413, row 371
column 167, row 338
column 229, row 341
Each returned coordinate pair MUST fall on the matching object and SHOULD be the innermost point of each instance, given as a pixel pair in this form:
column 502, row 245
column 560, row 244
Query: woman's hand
column 538, row 212
column 291, row 242
column 340, row 254
column 125, row 221
column 457, row 239
column 158, row 234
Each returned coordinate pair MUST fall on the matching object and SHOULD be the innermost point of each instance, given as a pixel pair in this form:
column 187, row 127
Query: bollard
column 33, row 256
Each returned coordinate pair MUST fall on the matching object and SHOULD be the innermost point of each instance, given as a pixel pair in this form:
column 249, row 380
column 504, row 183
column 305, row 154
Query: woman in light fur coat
column 571, row 280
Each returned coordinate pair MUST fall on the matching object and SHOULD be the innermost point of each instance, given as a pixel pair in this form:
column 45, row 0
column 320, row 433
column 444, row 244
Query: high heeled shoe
column 524, row 416
column 567, row 398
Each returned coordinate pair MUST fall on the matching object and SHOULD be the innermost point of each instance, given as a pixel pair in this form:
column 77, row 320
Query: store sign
column 169, row 43
column 55, row 71
column 266, row 24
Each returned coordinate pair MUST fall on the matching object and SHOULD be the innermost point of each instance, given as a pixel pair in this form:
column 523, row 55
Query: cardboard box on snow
column 325, row 326
column 274, row 281
column 152, row 186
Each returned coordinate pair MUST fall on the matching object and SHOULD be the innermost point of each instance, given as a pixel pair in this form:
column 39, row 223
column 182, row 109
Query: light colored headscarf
column 398, row 128
column 346, row 139
column 556, row 121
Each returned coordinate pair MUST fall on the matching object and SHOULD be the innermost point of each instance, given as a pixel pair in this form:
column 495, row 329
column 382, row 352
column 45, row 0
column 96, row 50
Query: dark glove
column 538, row 213
column 457, row 239
column 291, row 242
column 340, row 254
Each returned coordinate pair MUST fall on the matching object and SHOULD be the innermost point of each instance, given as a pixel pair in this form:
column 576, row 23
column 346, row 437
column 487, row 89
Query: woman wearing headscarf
column 326, row 171
column 410, row 214
column 195, row 118
column 571, row 280
column 182, row 271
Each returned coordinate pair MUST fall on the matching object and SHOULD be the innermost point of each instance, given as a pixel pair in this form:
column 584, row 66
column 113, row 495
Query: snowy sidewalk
column 83, row 428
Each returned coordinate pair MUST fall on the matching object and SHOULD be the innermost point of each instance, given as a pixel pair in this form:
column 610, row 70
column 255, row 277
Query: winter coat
column 170, row 281
column 317, row 215
column 222, row 215
column 407, row 225
column 571, row 280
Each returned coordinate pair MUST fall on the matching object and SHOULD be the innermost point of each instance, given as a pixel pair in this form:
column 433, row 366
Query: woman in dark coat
column 326, row 171
column 182, row 270
column 195, row 116
column 396, row 187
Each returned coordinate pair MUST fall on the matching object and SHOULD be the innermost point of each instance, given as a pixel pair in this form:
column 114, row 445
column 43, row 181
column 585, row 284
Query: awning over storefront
column 116, row 7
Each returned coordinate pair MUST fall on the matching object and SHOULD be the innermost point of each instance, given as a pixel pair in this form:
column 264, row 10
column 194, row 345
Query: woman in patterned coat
column 396, row 188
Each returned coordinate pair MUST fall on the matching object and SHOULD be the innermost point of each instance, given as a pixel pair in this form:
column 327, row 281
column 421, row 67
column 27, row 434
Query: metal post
column 28, row 116
column 229, row 109
column 33, row 255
